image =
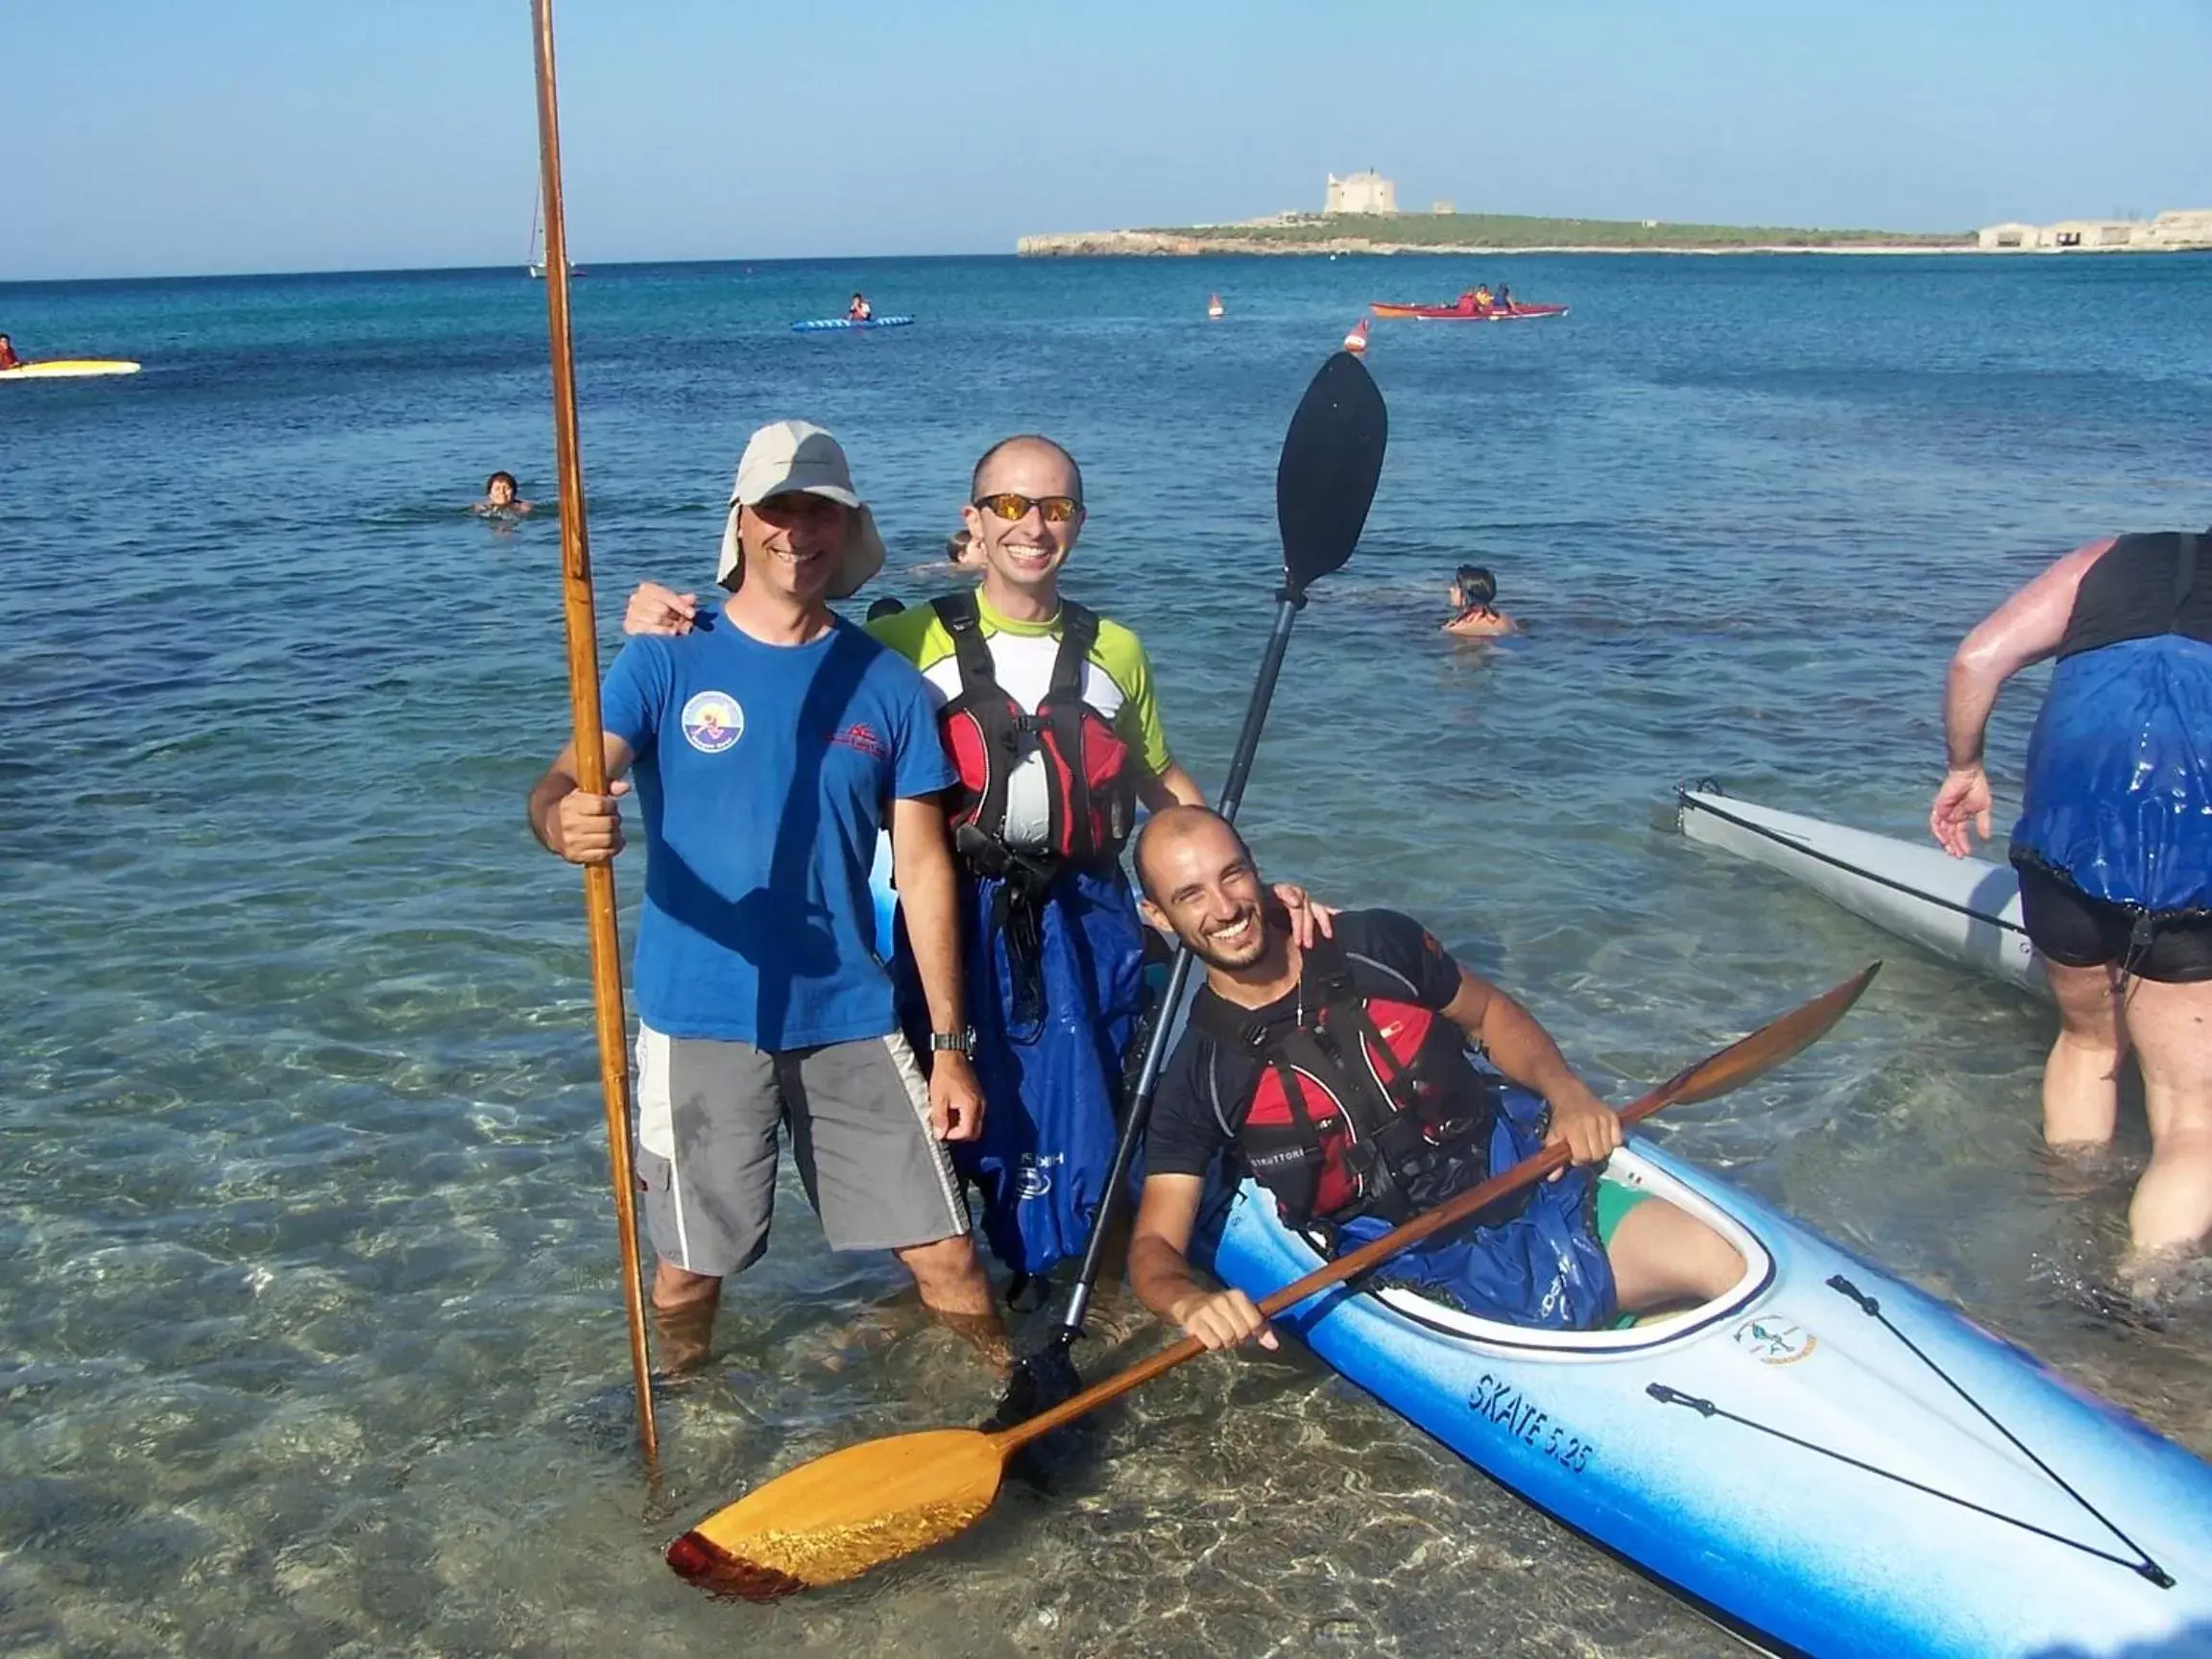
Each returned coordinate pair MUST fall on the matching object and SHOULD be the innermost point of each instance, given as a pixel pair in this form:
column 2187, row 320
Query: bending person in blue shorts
column 2114, row 849
column 769, row 744
column 1339, row 1076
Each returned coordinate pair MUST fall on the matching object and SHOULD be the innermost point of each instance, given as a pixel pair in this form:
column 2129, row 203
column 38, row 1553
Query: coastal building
column 1367, row 192
column 2176, row 228
column 1442, row 209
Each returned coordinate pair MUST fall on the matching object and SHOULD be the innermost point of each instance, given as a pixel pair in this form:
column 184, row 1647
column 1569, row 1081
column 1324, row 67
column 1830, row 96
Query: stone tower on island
column 1367, row 192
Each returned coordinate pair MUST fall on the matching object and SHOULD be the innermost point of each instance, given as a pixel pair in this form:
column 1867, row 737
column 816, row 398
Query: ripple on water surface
column 311, row 1344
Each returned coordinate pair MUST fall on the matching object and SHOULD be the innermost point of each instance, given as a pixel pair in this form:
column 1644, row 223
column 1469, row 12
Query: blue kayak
column 1829, row 1461
column 1826, row 1459
column 831, row 324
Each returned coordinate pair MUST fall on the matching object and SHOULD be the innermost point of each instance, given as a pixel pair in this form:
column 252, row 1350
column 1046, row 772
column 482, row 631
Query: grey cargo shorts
column 858, row 1116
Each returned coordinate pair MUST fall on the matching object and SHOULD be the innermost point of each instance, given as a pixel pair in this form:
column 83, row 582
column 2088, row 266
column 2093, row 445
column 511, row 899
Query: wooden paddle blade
column 836, row 1518
column 1332, row 461
column 1765, row 1048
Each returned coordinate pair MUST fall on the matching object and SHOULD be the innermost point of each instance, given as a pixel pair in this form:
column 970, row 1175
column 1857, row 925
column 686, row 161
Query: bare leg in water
column 2081, row 1077
column 947, row 1273
column 2170, row 1028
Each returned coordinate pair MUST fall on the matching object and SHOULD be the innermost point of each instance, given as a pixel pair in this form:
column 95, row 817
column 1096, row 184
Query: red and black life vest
column 1366, row 1106
column 1089, row 768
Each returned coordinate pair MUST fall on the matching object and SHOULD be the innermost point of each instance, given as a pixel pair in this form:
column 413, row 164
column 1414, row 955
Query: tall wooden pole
column 584, row 707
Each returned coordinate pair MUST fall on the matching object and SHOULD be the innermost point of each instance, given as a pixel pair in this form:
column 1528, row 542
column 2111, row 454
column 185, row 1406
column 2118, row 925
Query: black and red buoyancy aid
column 1089, row 767
column 1366, row 1106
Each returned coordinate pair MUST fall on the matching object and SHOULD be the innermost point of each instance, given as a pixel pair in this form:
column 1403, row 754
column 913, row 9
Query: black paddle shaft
column 1324, row 484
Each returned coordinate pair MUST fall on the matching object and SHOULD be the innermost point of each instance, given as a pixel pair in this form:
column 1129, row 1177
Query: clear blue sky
column 152, row 137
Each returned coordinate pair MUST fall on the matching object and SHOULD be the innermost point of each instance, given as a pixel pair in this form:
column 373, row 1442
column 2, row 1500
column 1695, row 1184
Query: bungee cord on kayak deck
column 1709, row 787
column 2143, row 1565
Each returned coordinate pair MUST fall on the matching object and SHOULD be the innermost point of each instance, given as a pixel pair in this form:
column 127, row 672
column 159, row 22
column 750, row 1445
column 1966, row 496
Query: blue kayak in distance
column 1824, row 1459
column 839, row 325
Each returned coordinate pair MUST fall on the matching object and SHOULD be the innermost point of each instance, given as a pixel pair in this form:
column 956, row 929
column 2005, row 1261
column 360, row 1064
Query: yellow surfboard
column 68, row 368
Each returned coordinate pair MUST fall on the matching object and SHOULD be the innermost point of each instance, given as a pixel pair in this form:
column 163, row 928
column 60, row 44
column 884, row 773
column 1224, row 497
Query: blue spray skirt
column 2118, row 793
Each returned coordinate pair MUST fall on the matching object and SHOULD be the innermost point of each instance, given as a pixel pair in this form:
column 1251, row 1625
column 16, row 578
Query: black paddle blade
column 1332, row 460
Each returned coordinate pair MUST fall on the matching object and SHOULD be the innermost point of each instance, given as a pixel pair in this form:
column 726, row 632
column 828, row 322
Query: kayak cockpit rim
column 1628, row 1168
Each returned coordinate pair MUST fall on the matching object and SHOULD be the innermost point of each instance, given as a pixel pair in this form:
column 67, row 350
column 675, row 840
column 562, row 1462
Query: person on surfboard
column 7, row 357
column 772, row 743
column 1474, row 616
column 859, row 310
column 1338, row 1074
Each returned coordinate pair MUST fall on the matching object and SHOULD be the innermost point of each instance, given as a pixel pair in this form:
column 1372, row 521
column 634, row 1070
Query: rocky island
column 1452, row 233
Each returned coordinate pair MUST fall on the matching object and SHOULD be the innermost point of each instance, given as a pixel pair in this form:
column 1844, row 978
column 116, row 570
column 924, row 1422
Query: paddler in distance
column 771, row 743
column 1025, row 682
column 859, row 310
column 7, row 357
column 1339, row 1076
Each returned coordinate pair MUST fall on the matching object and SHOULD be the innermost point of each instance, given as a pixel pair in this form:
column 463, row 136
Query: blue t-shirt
column 763, row 774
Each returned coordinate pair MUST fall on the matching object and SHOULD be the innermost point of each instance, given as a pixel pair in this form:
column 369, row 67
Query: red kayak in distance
column 1467, row 312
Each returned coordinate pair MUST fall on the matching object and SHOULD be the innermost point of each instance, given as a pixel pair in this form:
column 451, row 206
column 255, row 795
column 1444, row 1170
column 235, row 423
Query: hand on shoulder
column 657, row 609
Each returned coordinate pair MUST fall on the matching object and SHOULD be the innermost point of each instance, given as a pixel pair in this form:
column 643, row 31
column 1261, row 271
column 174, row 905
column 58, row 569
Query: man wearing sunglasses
column 1049, row 716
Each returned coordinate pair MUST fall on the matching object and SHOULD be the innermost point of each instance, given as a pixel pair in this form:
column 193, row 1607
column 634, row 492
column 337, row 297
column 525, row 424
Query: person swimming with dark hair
column 501, row 496
column 1472, row 588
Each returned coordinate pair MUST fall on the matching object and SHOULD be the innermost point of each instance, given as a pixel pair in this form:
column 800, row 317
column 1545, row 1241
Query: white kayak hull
column 1965, row 910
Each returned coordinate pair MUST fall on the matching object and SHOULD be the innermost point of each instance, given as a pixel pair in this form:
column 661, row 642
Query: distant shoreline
column 1479, row 233
column 1122, row 244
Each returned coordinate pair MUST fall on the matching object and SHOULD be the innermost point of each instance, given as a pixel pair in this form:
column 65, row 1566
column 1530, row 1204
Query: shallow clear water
column 309, row 1339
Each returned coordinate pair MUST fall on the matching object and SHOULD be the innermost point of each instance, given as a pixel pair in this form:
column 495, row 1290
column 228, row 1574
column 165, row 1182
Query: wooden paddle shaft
column 583, row 633
column 1715, row 1075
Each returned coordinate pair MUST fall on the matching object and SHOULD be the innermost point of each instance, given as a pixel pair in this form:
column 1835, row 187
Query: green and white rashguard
column 1116, row 682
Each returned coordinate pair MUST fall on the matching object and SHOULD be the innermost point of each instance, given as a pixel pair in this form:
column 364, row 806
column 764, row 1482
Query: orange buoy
column 1355, row 342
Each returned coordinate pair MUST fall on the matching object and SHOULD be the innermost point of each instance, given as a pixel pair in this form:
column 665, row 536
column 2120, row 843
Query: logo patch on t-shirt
column 712, row 721
column 862, row 736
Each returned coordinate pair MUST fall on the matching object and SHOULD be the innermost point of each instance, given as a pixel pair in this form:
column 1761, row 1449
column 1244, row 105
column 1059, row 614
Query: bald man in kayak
column 1340, row 1077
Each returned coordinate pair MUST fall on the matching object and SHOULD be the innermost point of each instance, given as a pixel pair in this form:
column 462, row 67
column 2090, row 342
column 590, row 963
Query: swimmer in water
column 500, row 498
column 1472, row 589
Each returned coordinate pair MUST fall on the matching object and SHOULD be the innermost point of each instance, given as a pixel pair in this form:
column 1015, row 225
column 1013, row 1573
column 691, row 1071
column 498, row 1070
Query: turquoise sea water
column 309, row 1339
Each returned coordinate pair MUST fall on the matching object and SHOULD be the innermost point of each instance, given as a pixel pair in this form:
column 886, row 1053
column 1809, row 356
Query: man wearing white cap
column 769, row 745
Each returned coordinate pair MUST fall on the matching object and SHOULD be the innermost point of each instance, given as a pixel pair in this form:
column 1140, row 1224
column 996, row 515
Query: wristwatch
column 961, row 1043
